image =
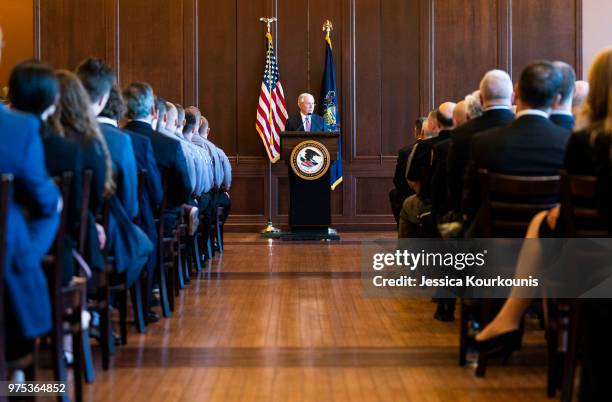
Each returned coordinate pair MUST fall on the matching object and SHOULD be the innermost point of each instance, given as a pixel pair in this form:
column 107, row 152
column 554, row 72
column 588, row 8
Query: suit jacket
column 399, row 178
column 64, row 155
column 421, row 167
column 530, row 146
column 124, row 167
column 295, row 123
column 28, row 236
column 460, row 147
column 439, row 178
column 170, row 159
column 563, row 120
column 152, row 194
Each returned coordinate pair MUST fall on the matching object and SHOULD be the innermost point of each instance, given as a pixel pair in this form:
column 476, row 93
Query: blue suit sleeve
column 40, row 195
column 130, row 180
column 181, row 172
column 156, row 191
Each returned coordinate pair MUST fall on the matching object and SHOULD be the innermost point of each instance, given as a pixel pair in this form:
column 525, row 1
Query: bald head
column 204, row 128
column 445, row 115
column 306, row 103
column 496, row 89
column 460, row 114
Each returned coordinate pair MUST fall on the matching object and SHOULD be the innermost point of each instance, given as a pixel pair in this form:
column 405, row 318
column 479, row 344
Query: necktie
column 307, row 124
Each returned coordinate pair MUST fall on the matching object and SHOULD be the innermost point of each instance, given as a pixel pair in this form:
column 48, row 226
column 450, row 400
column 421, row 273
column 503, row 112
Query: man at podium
column 306, row 120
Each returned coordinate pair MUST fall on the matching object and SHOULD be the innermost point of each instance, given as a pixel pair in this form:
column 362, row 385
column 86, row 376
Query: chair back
column 5, row 194
column 84, row 215
column 580, row 216
column 510, row 202
column 64, row 183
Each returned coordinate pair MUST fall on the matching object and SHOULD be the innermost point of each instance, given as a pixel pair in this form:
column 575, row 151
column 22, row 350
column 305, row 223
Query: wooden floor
column 282, row 321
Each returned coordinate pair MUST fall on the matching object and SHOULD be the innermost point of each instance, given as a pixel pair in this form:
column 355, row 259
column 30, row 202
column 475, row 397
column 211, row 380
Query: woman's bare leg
column 509, row 317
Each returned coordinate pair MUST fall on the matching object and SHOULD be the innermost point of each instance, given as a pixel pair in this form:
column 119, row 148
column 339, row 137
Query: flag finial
column 328, row 27
column 268, row 21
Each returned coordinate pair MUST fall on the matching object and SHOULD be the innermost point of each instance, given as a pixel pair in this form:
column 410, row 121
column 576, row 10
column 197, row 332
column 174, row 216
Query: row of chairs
column 175, row 261
column 503, row 217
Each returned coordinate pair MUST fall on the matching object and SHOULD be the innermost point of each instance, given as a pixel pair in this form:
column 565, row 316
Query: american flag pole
column 269, row 231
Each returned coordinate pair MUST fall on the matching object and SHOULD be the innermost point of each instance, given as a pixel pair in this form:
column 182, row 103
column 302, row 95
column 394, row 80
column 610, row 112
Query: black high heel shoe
column 503, row 344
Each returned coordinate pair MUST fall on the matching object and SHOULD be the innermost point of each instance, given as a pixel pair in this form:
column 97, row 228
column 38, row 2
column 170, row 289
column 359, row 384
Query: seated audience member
column 35, row 89
column 496, row 94
column 152, row 193
column 32, row 220
column 402, row 190
column 580, row 95
column 192, row 125
column 74, row 120
column 221, row 168
column 588, row 153
column 473, row 105
column 532, row 145
column 194, row 162
column 180, row 110
column 167, row 150
column 419, row 173
column 460, row 114
column 127, row 243
column 561, row 113
column 440, row 201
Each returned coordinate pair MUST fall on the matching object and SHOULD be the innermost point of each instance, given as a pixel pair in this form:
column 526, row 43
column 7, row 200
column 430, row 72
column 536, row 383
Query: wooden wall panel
column 400, row 73
column 465, row 46
column 250, row 48
column 365, row 204
column 368, row 60
column 16, row 19
column 247, row 197
column 546, row 29
column 151, row 45
column 71, row 30
column 217, row 72
column 293, row 50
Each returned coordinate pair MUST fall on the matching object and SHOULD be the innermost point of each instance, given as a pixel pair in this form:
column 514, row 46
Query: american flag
column 272, row 108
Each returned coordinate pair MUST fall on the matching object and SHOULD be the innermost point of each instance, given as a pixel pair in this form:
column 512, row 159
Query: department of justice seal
column 310, row 160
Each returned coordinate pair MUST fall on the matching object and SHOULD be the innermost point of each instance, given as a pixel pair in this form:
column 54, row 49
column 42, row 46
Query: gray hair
column 304, row 95
column 139, row 99
column 473, row 105
column 496, row 85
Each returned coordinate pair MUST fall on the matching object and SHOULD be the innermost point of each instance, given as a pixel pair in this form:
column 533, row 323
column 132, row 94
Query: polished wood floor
column 283, row 321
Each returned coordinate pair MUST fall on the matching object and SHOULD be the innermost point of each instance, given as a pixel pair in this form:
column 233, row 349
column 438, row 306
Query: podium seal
column 310, row 160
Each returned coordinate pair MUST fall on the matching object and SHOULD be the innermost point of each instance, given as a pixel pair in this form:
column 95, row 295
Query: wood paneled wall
column 395, row 60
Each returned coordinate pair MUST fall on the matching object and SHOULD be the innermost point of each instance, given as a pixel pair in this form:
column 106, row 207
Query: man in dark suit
column 496, row 93
column 167, row 150
column 152, row 192
column 561, row 113
column 98, row 79
column 418, row 173
column 402, row 190
column 306, row 120
column 532, row 145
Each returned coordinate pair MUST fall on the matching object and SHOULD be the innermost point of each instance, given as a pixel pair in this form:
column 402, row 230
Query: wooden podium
column 309, row 189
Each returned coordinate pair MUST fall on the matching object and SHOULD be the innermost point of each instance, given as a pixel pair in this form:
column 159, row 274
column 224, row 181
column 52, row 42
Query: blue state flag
column 329, row 93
